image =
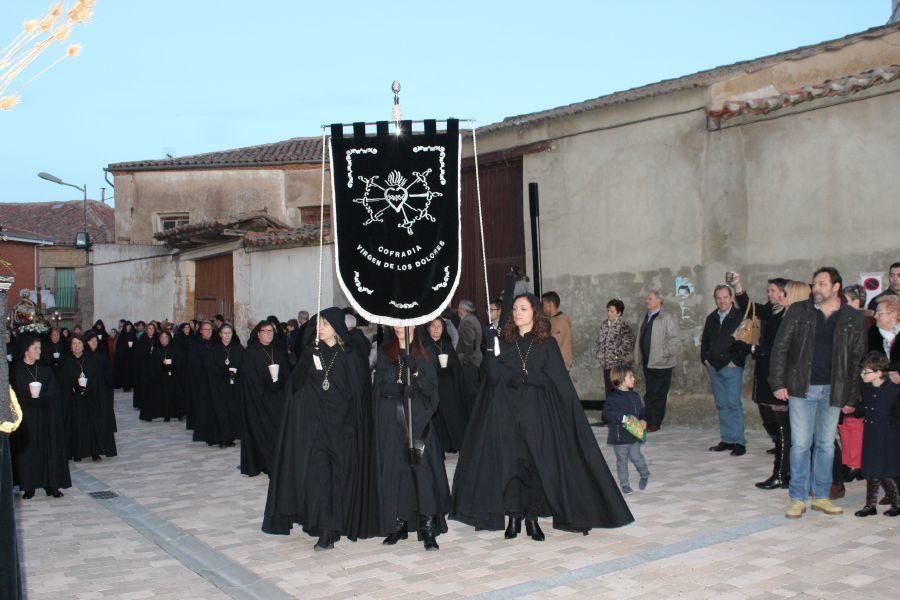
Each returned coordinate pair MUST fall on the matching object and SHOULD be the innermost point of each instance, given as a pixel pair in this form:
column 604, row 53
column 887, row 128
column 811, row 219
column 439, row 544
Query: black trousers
column 658, row 382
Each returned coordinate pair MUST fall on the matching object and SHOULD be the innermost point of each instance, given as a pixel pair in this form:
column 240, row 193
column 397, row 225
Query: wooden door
column 504, row 235
column 214, row 288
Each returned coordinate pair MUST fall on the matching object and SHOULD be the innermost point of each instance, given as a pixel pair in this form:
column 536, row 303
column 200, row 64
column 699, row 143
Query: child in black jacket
column 881, row 435
column 624, row 401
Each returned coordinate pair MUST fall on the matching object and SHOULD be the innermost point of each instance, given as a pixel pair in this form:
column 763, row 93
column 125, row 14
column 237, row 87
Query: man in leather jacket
column 815, row 367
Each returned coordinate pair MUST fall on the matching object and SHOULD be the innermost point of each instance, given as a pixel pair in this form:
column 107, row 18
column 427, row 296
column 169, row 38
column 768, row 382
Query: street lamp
column 82, row 239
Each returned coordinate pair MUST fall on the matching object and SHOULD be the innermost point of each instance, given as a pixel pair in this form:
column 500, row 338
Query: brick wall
column 22, row 256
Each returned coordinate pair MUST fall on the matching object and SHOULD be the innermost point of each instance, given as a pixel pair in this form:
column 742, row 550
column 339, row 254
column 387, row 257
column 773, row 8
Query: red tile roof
column 306, row 235
column 293, row 151
column 190, row 234
column 832, row 87
column 699, row 79
column 60, row 221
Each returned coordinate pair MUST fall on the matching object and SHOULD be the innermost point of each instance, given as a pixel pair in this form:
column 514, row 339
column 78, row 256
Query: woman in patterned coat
column 615, row 342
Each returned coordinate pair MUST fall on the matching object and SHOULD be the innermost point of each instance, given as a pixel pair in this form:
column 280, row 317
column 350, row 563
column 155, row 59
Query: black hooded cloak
column 452, row 416
column 529, row 450
column 200, row 411
column 40, row 455
column 220, row 423
column 123, row 376
column 407, row 491
column 323, row 462
column 263, row 408
column 90, row 432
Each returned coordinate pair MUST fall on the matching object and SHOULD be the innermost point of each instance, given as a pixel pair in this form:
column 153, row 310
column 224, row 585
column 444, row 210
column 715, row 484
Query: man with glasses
column 815, row 368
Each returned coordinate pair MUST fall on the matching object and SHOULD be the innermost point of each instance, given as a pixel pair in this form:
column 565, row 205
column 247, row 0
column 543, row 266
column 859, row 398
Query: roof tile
column 60, row 221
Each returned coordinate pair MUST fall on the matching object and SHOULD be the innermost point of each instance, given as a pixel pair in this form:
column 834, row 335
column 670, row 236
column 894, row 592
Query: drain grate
column 104, row 495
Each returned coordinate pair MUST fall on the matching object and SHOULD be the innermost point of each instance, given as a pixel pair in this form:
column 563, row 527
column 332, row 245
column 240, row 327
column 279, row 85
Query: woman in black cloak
column 529, row 451
column 264, row 372
column 159, row 401
column 123, row 375
column 412, row 484
column 323, row 460
column 90, row 433
column 201, row 417
column 53, row 349
column 99, row 330
column 220, row 423
column 184, row 342
column 146, row 343
column 452, row 415
column 40, row 456
column 97, row 354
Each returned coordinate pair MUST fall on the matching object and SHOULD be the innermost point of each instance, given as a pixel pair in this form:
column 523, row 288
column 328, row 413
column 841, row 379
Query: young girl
column 881, row 436
column 622, row 401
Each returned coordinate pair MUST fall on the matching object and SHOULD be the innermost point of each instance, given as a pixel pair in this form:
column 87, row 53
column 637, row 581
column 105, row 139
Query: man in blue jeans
column 724, row 362
column 814, row 366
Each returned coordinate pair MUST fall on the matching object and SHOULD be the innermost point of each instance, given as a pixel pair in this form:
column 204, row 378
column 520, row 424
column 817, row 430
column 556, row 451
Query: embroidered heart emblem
column 396, row 197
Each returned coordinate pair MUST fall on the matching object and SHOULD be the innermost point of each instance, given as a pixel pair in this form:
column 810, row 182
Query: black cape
column 106, row 390
column 40, row 456
column 163, row 399
column 143, row 380
column 90, row 430
column 123, row 371
column 408, row 491
column 220, row 423
column 183, row 380
column 529, row 450
column 452, row 416
column 199, row 411
column 321, row 479
column 263, row 407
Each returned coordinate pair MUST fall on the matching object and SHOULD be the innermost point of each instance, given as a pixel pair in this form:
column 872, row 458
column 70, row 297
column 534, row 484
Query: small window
column 167, row 222
column 310, row 215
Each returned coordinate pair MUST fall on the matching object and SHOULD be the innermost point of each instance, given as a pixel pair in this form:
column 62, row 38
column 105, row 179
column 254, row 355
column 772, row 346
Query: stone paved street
column 186, row 524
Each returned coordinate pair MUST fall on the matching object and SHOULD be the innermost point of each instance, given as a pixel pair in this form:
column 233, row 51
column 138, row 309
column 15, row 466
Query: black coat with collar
column 717, row 344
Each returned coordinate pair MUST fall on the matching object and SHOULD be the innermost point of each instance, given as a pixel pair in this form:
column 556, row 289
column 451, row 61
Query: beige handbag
column 749, row 329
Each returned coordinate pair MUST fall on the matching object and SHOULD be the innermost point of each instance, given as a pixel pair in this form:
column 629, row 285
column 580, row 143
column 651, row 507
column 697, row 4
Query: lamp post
column 82, row 239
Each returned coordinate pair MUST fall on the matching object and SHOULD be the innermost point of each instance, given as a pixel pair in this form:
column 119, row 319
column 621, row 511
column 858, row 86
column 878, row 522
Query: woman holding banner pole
column 410, row 475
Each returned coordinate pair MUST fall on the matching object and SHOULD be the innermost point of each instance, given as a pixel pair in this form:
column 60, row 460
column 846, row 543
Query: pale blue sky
column 190, row 76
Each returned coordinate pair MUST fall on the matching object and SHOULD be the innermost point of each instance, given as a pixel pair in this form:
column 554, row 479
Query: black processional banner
column 396, row 205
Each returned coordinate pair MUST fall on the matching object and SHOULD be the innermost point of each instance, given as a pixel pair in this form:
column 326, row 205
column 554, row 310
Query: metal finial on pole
column 396, row 111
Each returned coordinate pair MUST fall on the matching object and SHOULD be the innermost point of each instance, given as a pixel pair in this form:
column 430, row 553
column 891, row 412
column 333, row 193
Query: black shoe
column 534, row 530
column 866, row 511
column 326, row 542
column 739, row 450
column 96, row 458
column 427, row 533
column 852, row 475
column 166, row 420
column 772, row 483
column 721, row 447
column 513, row 528
column 400, row 533
column 28, row 495
column 771, row 451
column 894, row 511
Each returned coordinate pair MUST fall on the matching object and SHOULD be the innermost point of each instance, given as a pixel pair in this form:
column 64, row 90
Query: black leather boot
column 400, row 533
column 514, row 528
column 534, row 530
column 326, row 541
column 776, row 481
column 427, row 532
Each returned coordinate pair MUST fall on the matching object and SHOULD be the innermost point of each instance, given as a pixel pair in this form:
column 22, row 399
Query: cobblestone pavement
column 186, row 524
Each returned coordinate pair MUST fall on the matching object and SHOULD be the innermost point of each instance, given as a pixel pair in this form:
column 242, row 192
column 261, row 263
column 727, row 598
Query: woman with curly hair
column 529, row 451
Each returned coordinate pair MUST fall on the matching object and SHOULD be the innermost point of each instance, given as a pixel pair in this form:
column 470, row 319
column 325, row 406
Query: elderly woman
column 615, row 342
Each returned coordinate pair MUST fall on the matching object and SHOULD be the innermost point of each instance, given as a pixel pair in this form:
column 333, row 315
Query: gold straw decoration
column 37, row 36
